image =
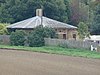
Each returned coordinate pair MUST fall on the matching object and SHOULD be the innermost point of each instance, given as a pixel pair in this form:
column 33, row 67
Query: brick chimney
column 39, row 12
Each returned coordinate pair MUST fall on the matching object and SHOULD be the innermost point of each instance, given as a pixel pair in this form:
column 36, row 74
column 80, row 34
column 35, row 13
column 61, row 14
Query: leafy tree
column 95, row 28
column 49, row 33
column 16, row 10
column 83, row 30
column 56, row 9
column 17, row 38
column 84, row 12
column 68, row 11
column 74, row 7
column 3, row 29
column 79, row 11
column 36, row 38
column 2, row 1
column 86, row 2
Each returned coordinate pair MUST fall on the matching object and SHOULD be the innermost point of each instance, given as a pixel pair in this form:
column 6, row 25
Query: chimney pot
column 39, row 12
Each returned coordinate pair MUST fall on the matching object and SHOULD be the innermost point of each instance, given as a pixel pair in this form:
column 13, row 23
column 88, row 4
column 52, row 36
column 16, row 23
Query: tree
column 95, row 28
column 36, row 38
column 68, row 10
column 2, row 1
column 79, row 11
column 84, row 12
column 16, row 10
column 3, row 29
column 56, row 9
column 83, row 30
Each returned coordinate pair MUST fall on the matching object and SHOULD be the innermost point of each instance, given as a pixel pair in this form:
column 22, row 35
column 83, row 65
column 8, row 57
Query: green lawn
column 57, row 50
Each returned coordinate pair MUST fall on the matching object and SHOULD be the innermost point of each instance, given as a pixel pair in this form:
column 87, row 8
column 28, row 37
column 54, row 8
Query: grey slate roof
column 36, row 21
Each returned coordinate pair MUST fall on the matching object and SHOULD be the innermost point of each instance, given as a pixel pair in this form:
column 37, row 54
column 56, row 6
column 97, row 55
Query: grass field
column 56, row 50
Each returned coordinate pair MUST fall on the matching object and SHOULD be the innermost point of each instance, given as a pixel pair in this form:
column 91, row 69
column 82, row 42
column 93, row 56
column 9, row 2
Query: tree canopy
column 96, row 23
column 68, row 11
column 83, row 30
column 15, row 10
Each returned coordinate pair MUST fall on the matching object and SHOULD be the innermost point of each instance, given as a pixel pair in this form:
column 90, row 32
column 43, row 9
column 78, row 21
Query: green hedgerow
column 17, row 38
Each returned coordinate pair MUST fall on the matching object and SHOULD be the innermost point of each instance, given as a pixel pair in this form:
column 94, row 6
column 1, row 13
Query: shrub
column 3, row 29
column 49, row 32
column 17, row 38
column 36, row 38
column 83, row 30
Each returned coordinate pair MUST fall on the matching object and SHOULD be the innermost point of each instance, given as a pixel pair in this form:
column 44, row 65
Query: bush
column 49, row 32
column 3, row 29
column 17, row 38
column 83, row 30
column 36, row 38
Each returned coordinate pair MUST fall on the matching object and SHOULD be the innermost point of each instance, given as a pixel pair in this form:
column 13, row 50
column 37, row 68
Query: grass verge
column 56, row 50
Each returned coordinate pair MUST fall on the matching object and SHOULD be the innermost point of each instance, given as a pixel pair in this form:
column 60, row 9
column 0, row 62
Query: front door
column 74, row 36
column 64, row 36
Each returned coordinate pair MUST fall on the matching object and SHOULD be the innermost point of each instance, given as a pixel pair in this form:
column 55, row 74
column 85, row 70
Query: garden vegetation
column 34, row 38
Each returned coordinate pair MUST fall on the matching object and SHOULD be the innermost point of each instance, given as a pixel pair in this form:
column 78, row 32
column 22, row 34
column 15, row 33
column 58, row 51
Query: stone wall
column 4, row 39
column 98, row 49
column 69, row 33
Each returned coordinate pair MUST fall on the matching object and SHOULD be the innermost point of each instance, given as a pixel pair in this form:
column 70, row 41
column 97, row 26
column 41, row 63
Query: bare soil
column 14, row 62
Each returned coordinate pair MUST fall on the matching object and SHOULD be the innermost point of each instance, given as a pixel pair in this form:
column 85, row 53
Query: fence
column 70, row 43
column 4, row 39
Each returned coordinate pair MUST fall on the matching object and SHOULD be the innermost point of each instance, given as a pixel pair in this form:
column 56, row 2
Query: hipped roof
column 37, row 20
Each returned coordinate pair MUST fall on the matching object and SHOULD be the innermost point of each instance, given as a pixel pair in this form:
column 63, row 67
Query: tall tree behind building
column 16, row 10
column 95, row 27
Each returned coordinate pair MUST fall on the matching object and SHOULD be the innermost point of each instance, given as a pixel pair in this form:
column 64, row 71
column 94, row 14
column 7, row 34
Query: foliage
column 80, row 11
column 3, row 29
column 16, row 10
column 95, row 28
column 68, row 11
column 36, row 38
column 56, row 9
column 17, row 38
column 83, row 30
column 49, row 33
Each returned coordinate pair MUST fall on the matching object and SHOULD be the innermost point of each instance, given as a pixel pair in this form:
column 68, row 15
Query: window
column 74, row 36
column 64, row 36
